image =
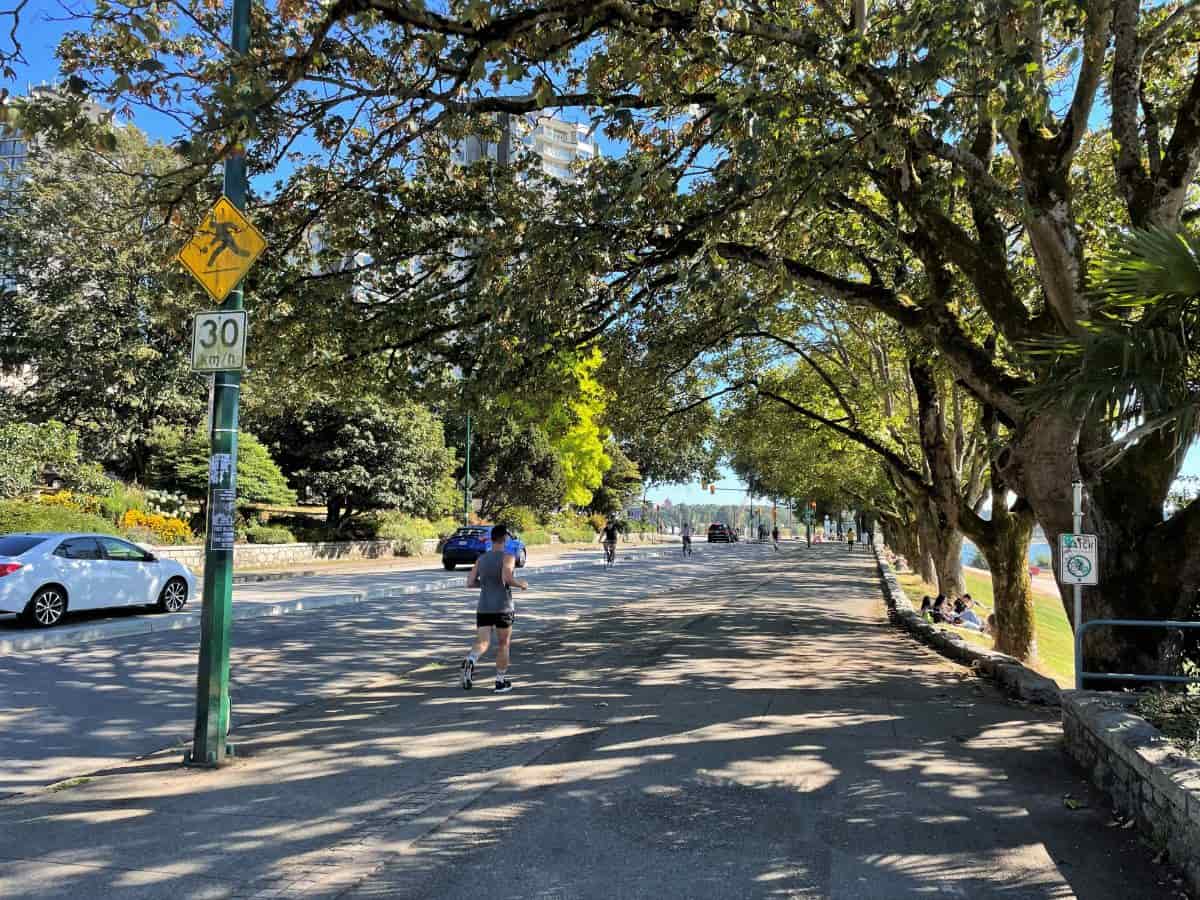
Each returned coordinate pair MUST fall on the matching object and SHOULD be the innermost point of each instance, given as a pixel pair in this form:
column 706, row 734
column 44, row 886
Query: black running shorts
column 495, row 619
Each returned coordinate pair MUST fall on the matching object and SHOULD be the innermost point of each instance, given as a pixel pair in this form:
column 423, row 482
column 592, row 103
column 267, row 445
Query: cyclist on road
column 610, row 541
column 686, row 533
column 494, row 575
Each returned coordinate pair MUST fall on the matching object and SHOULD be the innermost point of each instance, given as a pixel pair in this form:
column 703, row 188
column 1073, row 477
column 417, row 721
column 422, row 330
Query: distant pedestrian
column 850, row 539
column 775, row 538
column 494, row 575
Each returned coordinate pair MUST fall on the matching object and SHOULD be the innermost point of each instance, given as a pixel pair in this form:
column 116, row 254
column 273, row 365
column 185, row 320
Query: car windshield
column 16, row 544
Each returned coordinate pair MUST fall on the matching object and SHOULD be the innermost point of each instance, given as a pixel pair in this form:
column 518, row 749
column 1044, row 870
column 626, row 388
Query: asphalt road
column 742, row 731
column 71, row 710
column 327, row 578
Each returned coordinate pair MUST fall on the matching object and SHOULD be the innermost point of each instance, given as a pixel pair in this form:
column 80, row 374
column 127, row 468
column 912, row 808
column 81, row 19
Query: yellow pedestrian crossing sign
column 222, row 250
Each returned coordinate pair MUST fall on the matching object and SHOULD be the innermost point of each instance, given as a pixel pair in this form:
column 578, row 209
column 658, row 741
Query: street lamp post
column 210, row 746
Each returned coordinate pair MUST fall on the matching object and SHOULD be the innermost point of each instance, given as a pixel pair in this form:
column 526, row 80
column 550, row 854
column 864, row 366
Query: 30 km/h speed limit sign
column 1078, row 559
column 219, row 341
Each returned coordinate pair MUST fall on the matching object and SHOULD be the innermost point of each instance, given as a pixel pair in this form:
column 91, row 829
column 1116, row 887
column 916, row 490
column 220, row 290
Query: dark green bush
column 269, row 534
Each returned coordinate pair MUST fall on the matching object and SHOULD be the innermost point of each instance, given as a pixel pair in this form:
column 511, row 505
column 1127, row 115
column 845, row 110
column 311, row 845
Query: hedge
column 269, row 534
column 20, row 515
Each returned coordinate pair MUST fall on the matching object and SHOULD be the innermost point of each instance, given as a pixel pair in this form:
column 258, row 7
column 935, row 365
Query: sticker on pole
column 222, row 250
column 219, row 341
column 1078, row 559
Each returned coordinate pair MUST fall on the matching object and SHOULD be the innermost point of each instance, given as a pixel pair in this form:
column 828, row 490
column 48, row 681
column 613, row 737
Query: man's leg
column 503, row 640
column 483, row 635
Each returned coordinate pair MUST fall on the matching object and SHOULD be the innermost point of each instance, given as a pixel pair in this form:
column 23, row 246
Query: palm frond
column 1147, row 268
column 1137, row 360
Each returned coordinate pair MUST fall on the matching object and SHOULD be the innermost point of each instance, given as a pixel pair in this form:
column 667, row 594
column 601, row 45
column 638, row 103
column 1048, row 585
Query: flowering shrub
column 166, row 503
column 87, row 503
column 166, row 530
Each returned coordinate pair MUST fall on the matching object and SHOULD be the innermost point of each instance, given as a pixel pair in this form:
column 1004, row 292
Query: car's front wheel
column 173, row 596
column 47, row 607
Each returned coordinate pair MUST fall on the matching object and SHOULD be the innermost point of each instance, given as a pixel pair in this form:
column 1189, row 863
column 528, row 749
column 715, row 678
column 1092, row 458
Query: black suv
column 721, row 533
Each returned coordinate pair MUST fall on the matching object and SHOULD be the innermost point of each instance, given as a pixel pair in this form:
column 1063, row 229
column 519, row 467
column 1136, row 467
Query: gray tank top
column 494, row 595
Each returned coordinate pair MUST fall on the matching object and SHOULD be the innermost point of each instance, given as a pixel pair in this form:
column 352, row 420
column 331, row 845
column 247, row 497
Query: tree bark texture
column 1149, row 568
column 1007, row 554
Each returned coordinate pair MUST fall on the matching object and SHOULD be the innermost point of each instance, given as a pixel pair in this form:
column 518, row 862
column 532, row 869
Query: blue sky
column 692, row 492
column 38, row 39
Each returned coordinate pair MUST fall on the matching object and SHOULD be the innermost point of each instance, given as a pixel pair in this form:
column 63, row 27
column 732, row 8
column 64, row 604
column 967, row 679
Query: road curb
column 261, row 577
column 151, row 624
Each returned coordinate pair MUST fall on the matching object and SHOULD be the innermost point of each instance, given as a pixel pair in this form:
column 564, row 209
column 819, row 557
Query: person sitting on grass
column 941, row 610
column 927, row 608
column 966, row 615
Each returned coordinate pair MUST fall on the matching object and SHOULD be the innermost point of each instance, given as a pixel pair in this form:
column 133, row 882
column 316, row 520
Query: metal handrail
column 1116, row 676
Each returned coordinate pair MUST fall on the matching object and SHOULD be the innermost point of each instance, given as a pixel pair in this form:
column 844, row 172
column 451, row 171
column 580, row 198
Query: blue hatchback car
column 472, row 541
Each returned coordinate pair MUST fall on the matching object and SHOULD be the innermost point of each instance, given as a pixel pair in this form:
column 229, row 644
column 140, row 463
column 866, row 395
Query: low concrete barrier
column 260, row 556
column 1149, row 780
column 1016, row 679
column 253, row 556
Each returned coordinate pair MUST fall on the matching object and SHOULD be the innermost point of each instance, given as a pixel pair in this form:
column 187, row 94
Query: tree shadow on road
column 760, row 735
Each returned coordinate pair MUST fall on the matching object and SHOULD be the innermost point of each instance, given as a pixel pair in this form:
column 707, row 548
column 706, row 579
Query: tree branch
column 914, row 479
column 1095, row 44
column 816, row 367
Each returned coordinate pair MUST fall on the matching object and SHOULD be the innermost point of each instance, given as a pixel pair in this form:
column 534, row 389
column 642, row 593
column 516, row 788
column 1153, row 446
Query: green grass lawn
column 1055, row 642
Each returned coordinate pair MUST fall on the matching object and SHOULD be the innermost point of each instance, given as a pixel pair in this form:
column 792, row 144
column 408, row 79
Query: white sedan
column 44, row 575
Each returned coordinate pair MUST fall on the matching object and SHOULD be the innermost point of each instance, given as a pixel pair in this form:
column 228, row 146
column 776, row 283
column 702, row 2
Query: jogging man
column 686, row 533
column 493, row 574
column 610, row 540
column 775, row 538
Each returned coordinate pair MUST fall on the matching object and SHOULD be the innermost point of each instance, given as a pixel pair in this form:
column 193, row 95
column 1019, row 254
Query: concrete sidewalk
column 768, row 737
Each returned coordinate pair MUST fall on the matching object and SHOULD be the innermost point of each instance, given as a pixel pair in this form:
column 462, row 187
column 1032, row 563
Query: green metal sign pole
column 209, row 744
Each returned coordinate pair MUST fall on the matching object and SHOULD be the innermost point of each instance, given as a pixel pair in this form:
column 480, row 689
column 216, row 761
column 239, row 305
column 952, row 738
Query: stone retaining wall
column 259, row 555
column 255, row 556
column 1007, row 671
column 1148, row 779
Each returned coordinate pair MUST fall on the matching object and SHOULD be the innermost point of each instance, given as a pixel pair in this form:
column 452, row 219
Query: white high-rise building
column 554, row 141
column 558, row 144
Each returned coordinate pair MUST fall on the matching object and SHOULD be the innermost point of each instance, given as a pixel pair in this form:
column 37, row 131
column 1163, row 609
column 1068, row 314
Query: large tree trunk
column 1149, row 569
column 901, row 536
column 942, row 545
column 923, row 564
column 333, row 512
column 948, row 563
column 1007, row 553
